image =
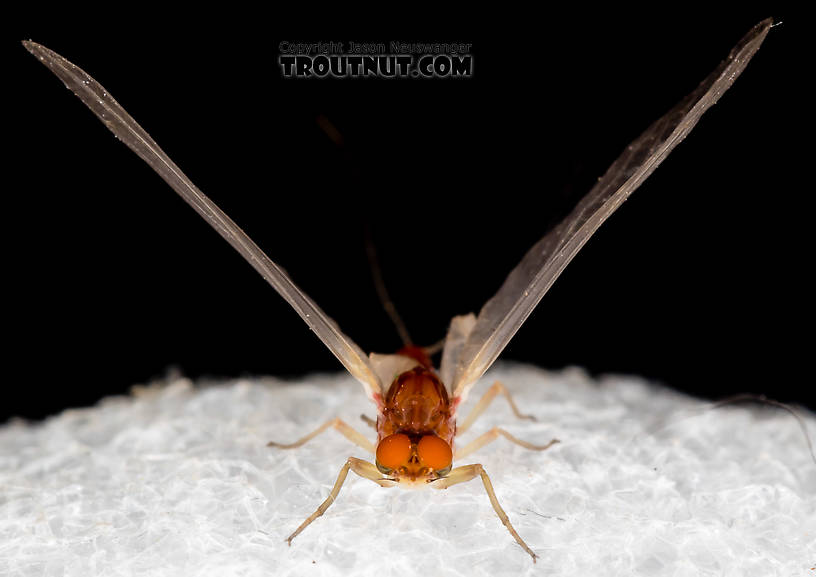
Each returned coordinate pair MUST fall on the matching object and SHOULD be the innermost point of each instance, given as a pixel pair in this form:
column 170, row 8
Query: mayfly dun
column 417, row 405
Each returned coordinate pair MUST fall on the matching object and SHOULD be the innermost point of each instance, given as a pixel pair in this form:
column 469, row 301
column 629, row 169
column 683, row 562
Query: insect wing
column 503, row 314
column 128, row 131
column 458, row 332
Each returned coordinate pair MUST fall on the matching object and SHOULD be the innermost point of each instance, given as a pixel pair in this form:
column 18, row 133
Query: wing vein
column 124, row 127
column 506, row 311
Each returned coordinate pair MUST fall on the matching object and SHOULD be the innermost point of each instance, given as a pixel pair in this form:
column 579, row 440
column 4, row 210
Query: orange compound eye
column 394, row 451
column 434, row 452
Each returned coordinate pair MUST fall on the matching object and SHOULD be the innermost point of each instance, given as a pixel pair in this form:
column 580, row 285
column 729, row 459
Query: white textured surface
column 178, row 481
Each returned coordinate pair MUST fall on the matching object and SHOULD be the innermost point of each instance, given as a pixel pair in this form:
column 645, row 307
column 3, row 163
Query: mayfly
column 417, row 405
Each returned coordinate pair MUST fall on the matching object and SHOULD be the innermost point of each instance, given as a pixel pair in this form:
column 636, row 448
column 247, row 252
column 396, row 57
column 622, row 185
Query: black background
column 699, row 281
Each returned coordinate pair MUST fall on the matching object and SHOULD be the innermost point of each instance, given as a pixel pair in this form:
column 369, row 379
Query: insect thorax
column 417, row 403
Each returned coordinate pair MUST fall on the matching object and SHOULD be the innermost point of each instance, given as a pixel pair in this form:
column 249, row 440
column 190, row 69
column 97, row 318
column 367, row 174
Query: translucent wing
column 458, row 332
column 503, row 314
column 128, row 131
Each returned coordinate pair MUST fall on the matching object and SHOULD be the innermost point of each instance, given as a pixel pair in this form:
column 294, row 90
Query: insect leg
column 345, row 429
column 431, row 350
column 468, row 472
column 496, row 389
column 492, row 435
column 369, row 421
column 362, row 468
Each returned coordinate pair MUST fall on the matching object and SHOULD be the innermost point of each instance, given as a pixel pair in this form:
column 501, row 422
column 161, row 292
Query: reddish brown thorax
column 417, row 404
column 418, row 354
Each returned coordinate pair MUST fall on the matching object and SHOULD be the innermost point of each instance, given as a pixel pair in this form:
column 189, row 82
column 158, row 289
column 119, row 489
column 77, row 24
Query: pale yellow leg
column 346, row 430
column 362, row 468
column 369, row 421
column 492, row 435
column 468, row 472
column 496, row 389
